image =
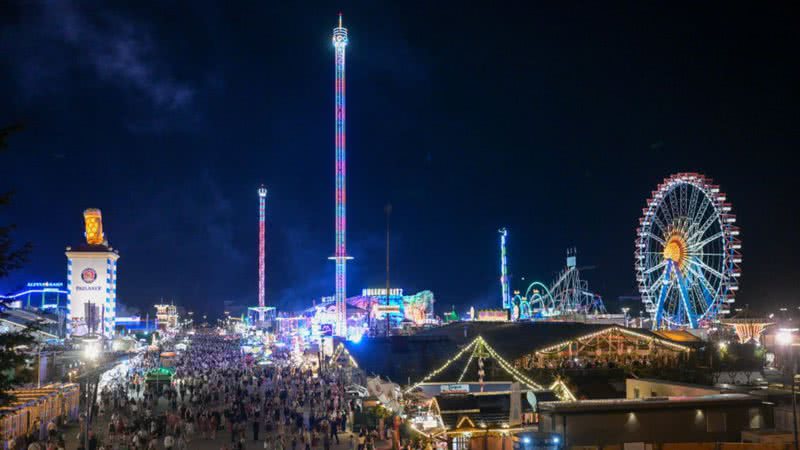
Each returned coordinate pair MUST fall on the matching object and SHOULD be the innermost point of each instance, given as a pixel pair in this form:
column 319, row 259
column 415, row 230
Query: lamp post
column 39, row 368
column 388, row 211
column 91, row 352
column 625, row 312
column 785, row 338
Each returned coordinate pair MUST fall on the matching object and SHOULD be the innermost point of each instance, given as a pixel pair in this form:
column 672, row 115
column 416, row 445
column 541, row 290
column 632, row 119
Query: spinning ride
column 687, row 253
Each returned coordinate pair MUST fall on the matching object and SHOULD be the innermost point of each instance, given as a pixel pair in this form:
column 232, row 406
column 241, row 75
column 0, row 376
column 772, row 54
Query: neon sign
column 44, row 284
column 381, row 292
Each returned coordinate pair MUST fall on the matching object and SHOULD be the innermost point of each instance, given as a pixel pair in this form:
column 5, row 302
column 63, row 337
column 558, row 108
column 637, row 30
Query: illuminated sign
column 381, row 292
column 381, row 311
column 454, row 389
column 88, row 275
column 44, row 284
column 492, row 315
column 93, row 221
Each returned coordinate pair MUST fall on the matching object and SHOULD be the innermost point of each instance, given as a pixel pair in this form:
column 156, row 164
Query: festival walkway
column 223, row 438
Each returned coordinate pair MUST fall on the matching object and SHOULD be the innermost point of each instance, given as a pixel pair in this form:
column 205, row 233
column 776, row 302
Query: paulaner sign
column 454, row 389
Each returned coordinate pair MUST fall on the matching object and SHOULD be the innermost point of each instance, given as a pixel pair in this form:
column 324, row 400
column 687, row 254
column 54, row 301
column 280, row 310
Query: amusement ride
column 687, row 253
column 568, row 294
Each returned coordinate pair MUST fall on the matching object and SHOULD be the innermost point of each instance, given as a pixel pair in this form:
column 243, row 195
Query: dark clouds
column 55, row 43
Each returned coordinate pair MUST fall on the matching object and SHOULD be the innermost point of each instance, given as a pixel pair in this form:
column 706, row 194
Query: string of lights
column 445, row 365
column 562, row 391
column 559, row 387
column 559, row 346
column 469, row 361
column 503, row 363
column 509, row 368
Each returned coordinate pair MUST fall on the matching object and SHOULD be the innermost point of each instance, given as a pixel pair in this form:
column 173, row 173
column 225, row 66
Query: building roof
column 18, row 319
column 404, row 358
column 678, row 336
column 31, row 396
column 597, row 406
column 678, row 383
column 90, row 248
column 598, row 384
column 489, row 410
column 746, row 315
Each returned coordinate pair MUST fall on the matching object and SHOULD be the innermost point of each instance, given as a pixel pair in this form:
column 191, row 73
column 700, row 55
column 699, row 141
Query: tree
column 11, row 257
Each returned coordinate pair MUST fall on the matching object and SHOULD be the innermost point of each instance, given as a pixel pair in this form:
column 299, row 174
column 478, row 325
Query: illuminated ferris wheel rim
column 705, row 280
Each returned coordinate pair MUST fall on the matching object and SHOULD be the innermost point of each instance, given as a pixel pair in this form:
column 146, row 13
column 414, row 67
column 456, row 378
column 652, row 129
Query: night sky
column 554, row 121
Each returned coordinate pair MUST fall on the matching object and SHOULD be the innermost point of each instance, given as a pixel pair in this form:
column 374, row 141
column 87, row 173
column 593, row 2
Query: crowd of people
column 221, row 397
column 218, row 393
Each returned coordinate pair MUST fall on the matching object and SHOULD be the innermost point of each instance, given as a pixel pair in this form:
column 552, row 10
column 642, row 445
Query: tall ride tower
column 262, row 197
column 340, row 256
column 504, row 269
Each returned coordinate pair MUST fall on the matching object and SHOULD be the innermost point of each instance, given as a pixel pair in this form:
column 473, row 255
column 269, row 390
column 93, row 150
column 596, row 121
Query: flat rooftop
column 592, row 406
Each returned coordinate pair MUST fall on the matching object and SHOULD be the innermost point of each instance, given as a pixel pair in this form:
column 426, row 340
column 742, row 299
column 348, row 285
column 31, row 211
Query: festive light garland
column 338, row 352
column 557, row 347
column 503, row 363
column 445, row 366
column 664, row 342
column 559, row 387
column 509, row 368
column 469, row 361
column 565, row 392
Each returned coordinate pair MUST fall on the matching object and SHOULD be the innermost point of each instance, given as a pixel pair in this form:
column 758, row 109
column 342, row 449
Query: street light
column 91, row 351
column 625, row 312
column 785, row 338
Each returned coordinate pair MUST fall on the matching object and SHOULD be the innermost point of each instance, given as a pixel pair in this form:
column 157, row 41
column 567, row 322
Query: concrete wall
column 784, row 417
column 651, row 426
column 656, row 388
column 491, row 442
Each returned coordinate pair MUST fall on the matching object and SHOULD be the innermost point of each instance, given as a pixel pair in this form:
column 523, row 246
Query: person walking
column 256, row 424
column 362, row 439
column 334, row 431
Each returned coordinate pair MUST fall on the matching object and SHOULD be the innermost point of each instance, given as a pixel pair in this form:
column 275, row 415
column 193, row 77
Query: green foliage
column 382, row 413
column 370, row 417
column 738, row 357
column 12, row 360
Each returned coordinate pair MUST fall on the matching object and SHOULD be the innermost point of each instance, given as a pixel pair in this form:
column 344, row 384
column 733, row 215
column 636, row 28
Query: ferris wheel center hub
column 675, row 250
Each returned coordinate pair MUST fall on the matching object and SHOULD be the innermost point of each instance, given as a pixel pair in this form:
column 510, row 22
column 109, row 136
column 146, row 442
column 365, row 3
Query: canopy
column 161, row 374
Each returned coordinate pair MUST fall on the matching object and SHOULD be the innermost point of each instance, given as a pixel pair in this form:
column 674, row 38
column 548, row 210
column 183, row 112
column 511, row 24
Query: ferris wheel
column 687, row 253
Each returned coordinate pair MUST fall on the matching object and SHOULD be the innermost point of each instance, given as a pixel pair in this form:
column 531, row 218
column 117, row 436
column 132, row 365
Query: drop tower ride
column 505, row 291
column 340, row 255
column 262, row 197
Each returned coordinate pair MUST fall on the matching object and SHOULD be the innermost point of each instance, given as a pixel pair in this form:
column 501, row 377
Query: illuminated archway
column 538, row 301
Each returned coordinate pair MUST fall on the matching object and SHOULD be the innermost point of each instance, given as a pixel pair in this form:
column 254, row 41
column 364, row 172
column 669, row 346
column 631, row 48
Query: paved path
column 222, row 438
